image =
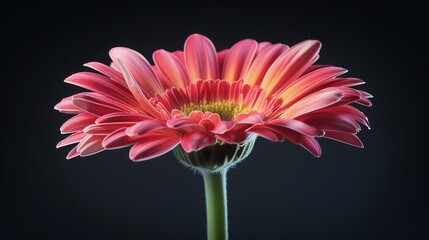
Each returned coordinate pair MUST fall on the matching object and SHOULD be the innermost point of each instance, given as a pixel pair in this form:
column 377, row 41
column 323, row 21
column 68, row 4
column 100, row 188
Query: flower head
column 198, row 98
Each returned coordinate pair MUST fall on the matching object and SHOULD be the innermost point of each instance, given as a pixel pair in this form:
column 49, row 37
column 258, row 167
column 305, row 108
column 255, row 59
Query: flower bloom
column 199, row 97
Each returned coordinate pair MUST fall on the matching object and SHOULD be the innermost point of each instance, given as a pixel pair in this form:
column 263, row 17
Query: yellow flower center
column 226, row 109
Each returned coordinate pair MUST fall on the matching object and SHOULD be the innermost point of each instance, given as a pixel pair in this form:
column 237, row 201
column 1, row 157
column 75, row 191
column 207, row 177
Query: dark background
column 280, row 191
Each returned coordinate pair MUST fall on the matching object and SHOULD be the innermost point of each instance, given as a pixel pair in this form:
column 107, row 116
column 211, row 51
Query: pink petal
column 98, row 104
column 182, row 122
column 108, row 71
column 115, row 66
column 90, row 145
column 181, row 56
column 350, row 95
column 290, row 65
column 238, row 60
column 165, row 82
column 308, row 142
column 137, row 91
column 365, row 94
column 345, row 82
column 74, row 138
column 171, row 67
column 250, row 118
column 223, row 126
column 101, row 84
column 145, row 127
column 220, row 126
column 314, row 67
column 196, row 116
column 207, row 124
column 262, row 63
column 365, row 102
column 73, row 153
column 106, row 128
column 196, row 140
column 77, row 123
column 311, row 145
column 262, row 46
column 66, row 106
column 221, row 59
column 119, row 139
column 138, row 67
column 309, row 83
column 296, row 125
column 267, row 133
column 201, row 58
column 215, row 118
column 233, row 137
column 122, row 117
column 348, row 111
column 153, row 146
column 331, row 121
column 364, row 98
column 313, row 102
column 348, row 138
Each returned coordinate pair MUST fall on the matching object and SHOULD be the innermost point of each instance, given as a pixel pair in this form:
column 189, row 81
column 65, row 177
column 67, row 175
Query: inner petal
column 220, row 97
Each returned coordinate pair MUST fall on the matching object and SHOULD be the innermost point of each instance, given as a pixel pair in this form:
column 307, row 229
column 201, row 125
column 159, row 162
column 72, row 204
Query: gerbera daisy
column 199, row 97
column 210, row 107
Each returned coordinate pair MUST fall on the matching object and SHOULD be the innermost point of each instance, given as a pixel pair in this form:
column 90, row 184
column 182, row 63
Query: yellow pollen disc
column 226, row 109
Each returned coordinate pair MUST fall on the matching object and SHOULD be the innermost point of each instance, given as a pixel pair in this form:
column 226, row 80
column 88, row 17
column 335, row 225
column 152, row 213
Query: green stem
column 217, row 213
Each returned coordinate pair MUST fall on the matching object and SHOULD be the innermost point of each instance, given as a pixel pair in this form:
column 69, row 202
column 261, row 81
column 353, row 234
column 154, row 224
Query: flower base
column 216, row 157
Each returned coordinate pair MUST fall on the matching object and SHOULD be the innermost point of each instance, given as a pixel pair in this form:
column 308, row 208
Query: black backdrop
column 279, row 192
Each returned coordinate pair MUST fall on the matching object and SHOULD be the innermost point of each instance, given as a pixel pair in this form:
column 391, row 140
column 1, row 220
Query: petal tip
column 59, row 145
column 57, row 106
column 316, row 43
